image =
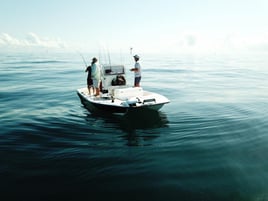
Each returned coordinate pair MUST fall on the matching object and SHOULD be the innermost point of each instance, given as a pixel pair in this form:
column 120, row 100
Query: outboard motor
column 119, row 81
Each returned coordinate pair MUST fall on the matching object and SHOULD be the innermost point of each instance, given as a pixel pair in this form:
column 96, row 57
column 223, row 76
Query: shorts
column 89, row 82
column 96, row 83
column 137, row 81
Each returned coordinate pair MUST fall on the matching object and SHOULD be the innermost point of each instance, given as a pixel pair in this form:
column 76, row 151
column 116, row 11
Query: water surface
column 209, row 143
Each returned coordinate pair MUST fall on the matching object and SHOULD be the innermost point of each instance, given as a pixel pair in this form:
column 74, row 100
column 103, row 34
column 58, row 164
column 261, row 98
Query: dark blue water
column 209, row 143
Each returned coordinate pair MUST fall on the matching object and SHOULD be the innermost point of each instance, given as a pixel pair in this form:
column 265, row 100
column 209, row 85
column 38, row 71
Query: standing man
column 95, row 75
column 137, row 71
column 89, row 80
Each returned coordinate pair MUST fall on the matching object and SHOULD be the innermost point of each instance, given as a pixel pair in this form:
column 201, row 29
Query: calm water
column 209, row 143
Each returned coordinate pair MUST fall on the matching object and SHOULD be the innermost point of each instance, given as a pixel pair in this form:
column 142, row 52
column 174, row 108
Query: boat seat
column 128, row 92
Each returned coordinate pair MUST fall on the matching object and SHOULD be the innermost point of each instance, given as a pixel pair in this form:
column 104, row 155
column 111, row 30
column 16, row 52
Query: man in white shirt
column 137, row 71
column 95, row 75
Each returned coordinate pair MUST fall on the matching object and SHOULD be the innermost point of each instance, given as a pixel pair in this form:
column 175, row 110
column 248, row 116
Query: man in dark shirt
column 89, row 80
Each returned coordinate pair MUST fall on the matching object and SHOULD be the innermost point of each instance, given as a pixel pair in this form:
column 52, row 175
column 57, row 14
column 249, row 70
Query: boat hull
column 98, row 107
column 95, row 105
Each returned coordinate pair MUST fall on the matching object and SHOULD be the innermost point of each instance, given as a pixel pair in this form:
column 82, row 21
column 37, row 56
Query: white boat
column 117, row 97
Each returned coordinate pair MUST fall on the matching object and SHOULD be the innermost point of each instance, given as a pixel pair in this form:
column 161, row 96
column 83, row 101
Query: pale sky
column 168, row 26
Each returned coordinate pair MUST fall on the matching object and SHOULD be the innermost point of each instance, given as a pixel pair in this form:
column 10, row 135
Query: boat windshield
column 113, row 70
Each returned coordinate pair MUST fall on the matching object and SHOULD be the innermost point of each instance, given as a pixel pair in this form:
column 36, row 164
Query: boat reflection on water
column 143, row 119
column 138, row 126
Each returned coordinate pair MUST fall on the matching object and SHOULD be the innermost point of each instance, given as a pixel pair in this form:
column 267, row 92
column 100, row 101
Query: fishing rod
column 83, row 59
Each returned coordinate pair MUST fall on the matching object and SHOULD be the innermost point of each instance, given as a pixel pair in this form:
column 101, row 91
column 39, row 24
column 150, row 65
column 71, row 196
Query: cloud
column 201, row 42
column 180, row 42
column 246, row 43
column 31, row 40
column 6, row 39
